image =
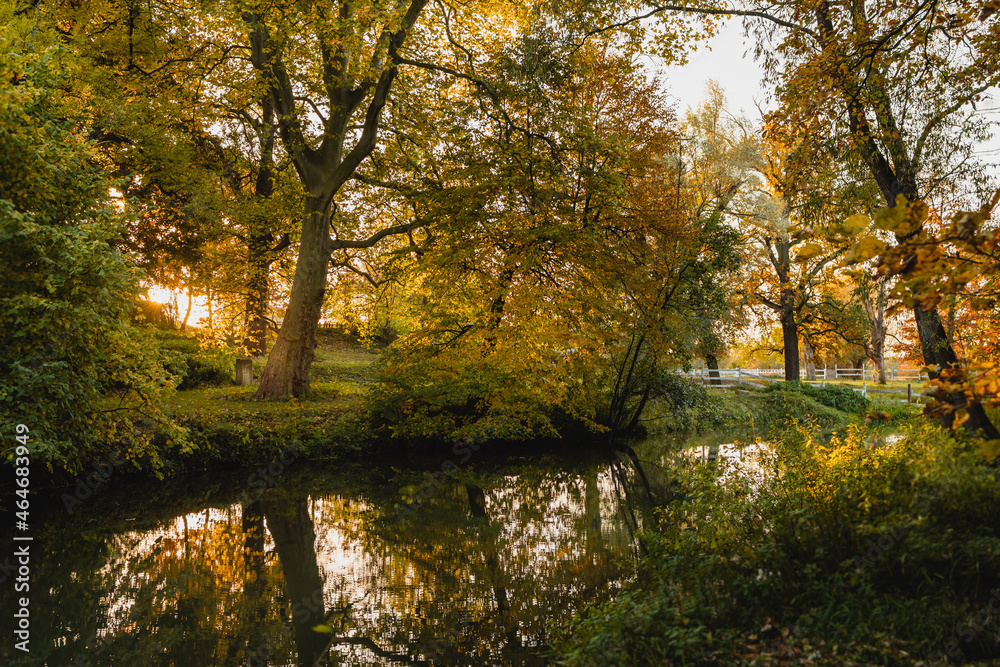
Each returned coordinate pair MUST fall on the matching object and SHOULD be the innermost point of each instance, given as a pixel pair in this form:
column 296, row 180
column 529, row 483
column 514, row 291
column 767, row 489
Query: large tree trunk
column 790, row 337
column 937, row 351
column 322, row 167
column 287, row 369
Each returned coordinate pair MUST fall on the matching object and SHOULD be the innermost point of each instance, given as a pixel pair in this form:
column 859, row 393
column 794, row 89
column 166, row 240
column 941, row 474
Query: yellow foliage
column 866, row 248
column 855, row 224
column 809, row 250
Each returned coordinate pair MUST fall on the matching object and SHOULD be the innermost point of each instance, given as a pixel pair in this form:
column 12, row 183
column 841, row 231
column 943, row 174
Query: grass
column 893, row 385
column 768, row 412
column 339, row 359
column 760, row 414
column 178, row 341
column 226, row 425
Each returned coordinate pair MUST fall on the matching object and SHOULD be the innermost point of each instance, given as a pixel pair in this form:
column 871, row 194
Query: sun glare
column 159, row 294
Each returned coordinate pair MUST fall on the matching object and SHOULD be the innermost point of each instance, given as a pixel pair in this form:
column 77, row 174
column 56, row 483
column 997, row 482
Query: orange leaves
column 954, row 266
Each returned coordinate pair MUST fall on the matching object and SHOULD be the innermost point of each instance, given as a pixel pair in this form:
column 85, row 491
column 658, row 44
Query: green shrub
column 823, row 554
column 75, row 369
column 840, row 398
column 844, row 399
column 201, row 371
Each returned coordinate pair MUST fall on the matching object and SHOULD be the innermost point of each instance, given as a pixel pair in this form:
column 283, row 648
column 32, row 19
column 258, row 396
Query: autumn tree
column 177, row 113
column 344, row 67
column 562, row 274
column 953, row 265
column 764, row 190
column 897, row 81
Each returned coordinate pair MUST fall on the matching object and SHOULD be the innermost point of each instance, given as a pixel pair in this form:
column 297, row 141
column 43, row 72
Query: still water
column 478, row 565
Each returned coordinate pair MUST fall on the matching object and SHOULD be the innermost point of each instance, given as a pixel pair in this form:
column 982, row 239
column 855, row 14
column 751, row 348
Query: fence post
column 825, row 376
column 739, row 377
column 909, row 393
column 864, row 388
column 703, row 375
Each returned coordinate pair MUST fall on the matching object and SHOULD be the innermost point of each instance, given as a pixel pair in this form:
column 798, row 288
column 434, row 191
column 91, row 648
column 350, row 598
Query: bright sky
column 728, row 59
column 721, row 58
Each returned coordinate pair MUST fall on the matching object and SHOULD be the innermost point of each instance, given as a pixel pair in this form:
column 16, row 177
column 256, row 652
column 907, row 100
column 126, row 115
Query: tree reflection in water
column 481, row 574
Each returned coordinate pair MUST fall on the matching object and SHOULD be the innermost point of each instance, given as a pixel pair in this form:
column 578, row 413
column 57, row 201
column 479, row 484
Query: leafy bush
column 844, row 399
column 201, row 371
column 76, row 371
column 426, row 392
column 680, row 404
column 840, row 398
column 821, row 554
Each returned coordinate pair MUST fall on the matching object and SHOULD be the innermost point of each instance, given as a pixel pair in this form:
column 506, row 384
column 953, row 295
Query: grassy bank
column 756, row 413
column 830, row 554
column 226, row 426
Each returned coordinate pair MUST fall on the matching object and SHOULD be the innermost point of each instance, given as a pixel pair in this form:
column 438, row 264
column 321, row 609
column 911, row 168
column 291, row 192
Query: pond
column 353, row 565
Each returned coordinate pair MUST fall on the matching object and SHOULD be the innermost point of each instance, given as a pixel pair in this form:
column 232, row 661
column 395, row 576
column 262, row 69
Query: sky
column 721, row 58
column 727, row 59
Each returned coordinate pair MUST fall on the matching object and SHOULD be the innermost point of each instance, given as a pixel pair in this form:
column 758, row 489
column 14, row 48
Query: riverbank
column 819, row 552
column 225, row 428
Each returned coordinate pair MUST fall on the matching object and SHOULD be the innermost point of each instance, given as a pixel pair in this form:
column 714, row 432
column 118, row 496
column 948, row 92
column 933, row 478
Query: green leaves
column 77, row 372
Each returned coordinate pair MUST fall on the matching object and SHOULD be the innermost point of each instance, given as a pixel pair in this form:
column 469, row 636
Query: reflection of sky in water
column 546, row 547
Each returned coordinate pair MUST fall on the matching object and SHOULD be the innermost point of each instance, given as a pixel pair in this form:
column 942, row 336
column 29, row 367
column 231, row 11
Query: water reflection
column 325, row 571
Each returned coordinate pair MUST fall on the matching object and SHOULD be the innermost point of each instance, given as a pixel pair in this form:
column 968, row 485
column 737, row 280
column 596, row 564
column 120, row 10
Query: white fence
column 759, row 377
column 824, row 374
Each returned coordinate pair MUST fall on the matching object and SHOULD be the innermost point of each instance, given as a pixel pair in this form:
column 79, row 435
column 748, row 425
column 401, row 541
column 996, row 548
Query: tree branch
column 340, row 244
column 712, row 11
